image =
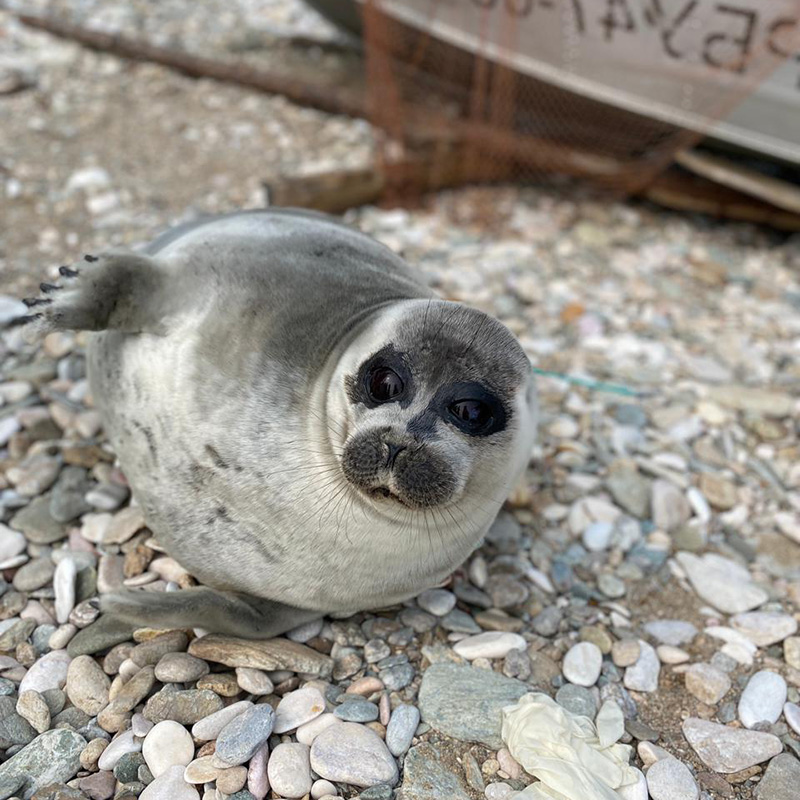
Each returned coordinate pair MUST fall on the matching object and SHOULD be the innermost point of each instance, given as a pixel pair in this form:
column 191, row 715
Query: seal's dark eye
column 472, row 414
column 384, row 385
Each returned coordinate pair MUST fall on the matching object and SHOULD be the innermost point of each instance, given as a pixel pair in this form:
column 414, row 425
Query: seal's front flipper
column 117, row 290
column 201, row 607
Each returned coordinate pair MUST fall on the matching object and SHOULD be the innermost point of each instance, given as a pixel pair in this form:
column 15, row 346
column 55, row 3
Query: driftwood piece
column 333, row 192
column 686, row 192
column 429, row 170
column 322, row 96
column 735, row 176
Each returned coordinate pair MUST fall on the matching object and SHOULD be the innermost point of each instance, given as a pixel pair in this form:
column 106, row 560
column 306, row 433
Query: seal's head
column 438, row 402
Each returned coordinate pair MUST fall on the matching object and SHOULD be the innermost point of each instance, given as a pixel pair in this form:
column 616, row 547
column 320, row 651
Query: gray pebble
column 398, row 677
column 67, row 500
column 381, row 792
column 14, row 729
column 437, row 601
column 40, row 638
column 107, row 496
column 611, row 586
column 465, row 702
column 401, row 728
column 243, row 735
column 33, row 575
column 781, row 779
column 401, row 637
column 547, row 621
column 640, row 731
column 376, row 650
column 357, row 710
column 417, row 619
column 577, row 699
column 305, row 632
column 53, row 757
column 670, row 779
column 517, row 664
column 187, row 706
column 127, row 768
column 471, row 595
column 180, row 668
column 459, row 621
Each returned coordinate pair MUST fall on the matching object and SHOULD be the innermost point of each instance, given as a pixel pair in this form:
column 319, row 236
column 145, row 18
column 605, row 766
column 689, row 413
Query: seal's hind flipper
column 201, row 607
column 117, row 290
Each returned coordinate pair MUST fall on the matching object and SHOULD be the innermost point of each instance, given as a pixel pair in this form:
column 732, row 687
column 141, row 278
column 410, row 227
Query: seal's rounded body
column 305, row 427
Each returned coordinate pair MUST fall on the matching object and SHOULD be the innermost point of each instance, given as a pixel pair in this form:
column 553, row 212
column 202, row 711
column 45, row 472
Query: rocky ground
column 645, row 574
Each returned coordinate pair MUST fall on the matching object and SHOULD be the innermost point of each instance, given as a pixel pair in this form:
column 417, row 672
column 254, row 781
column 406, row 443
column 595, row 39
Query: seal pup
column 307, row 429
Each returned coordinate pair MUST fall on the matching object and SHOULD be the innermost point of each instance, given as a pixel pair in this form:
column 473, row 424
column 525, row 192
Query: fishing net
column 609, row 90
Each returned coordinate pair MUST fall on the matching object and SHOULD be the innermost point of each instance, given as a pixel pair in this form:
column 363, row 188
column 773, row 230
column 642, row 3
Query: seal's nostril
column 394, row 451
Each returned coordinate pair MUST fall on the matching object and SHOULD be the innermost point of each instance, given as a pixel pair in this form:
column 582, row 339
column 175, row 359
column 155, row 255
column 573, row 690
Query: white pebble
column 170, row 785
column 643, row 675
column 762, row 699
column 209, row 727
column 12, row 543
column 668, row 654
column 49, row 672
column 310, row 730
column 297, row 708
column 167, row 745
column 289, row 770
column 8, row 427
column 124, row 743
column 64, row 585
column 670, row 779
column 764, row 628
column 322, row 788
column 792, row 713
column 582, row 664
column 494, row 644
column 597, row 536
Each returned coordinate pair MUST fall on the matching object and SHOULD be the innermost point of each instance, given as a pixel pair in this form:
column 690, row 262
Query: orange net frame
column 496, row 90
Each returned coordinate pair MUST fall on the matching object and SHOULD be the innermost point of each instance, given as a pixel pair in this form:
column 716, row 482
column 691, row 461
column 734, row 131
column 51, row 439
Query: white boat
column 727, row 70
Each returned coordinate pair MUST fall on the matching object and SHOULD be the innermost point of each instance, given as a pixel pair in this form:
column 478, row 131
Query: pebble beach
column 644, row 574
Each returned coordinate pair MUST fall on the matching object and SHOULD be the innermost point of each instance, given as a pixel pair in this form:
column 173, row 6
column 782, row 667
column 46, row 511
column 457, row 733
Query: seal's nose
column 394, row 451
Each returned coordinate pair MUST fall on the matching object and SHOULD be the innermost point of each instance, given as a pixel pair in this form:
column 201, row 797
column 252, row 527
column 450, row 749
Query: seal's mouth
column 384, row 493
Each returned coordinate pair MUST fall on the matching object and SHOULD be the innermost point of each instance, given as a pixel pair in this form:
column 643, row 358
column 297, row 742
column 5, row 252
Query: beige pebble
column 650, row 753
column 87, row 685
column 32, row 707
column 625, row 652
column 58, row 343
column 254, row 681
column 123, row 525
column 668, row 654
column 201, row 770
column 91, row 753
column 377, row 728
column 88, row 424
column 365, row 686
column 61, row 637
column 231, row 780
column 791, row 651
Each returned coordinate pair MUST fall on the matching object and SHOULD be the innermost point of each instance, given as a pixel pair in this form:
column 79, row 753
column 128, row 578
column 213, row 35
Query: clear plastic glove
column 564, row 752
